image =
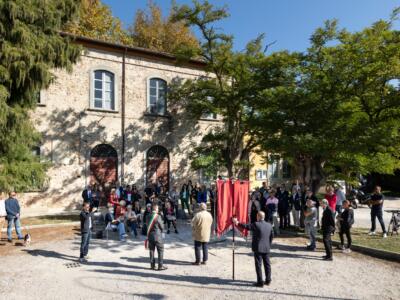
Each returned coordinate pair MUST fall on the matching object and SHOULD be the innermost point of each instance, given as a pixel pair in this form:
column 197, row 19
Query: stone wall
column 70, row 128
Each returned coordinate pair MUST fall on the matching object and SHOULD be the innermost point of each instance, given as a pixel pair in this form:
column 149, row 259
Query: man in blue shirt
column 13, row 216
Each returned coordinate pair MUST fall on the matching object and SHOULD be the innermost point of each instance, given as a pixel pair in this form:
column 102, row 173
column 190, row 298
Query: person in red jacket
column 331, row 197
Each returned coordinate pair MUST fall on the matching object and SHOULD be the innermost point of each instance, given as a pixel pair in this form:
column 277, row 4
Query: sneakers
column 371, row 233
column 384, row 235
column 340, row 247
column 82, row 260
column 162, row 268
column 347, row 250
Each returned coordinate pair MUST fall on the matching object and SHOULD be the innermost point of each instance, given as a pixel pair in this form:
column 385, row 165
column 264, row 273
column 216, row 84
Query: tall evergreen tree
column 31, row 47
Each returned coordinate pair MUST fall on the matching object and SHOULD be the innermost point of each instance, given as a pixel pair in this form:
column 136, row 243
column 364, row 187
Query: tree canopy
column 337, row 111
column 95, row 20
column 153, row 31
column 149, row 28
column 31, row 47
column 331, row 110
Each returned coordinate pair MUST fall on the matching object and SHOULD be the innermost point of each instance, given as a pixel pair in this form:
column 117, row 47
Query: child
column 170, row 216
column 346, row 220
column 86, row 226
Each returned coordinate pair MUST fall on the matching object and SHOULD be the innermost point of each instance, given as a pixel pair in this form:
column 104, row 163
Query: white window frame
column 210, row 115
column 115, row 87
column 271, row 170
column 148, row 95
column 264, row 174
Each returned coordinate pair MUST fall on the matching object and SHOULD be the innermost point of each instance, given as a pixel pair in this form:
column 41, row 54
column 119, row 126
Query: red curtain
column 241, row 201
column 231, row 196
column 224, row 206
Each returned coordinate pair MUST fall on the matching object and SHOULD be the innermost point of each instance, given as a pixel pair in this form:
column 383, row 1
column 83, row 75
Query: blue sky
column 288, row 22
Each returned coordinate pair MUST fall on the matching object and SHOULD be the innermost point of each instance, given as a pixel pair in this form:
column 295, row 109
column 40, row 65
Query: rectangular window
column 157, row 96
column 286, row 169
column 273, row 167
column 103, row 90
column 261, row 174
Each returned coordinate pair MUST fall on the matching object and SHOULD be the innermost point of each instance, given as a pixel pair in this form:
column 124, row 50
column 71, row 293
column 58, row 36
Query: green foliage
column 96, row 21
column 336, row 108
column 228, row 90
column 31, row 47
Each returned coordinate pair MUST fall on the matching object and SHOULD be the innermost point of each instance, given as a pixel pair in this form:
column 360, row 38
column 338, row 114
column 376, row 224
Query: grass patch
column 50, row 219
column 391, row 194
column 360, row 237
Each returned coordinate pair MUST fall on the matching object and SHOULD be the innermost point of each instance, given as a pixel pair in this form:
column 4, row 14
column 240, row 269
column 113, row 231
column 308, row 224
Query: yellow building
column 263, row 168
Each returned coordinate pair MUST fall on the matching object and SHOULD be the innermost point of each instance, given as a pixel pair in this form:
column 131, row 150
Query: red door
column 157, row 165
column 103, row 170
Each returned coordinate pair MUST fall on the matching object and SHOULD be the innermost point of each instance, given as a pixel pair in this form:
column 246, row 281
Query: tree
column 152, row 31
column 228, row 91
column 336, row 109
column 31, row 47
column 96, row 21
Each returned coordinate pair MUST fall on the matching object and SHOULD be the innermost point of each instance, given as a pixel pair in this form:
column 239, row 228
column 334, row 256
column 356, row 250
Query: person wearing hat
column 328, row 227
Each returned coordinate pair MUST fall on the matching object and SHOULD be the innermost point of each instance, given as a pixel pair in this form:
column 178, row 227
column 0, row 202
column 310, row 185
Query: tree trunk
column 309, row 172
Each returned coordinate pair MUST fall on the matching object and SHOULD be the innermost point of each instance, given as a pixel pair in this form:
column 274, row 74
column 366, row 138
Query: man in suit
column 87, row 194
column 328, row 227
column 155, row 238
column 261, row 245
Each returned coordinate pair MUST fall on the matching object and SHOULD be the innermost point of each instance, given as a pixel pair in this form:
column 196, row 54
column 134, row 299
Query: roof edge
column 132, row 49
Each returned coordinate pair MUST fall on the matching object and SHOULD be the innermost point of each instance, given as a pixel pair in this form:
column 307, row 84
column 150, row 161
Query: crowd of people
column 271, row 209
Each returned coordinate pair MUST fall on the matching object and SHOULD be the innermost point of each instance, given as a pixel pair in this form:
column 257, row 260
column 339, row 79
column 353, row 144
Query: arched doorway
column 103, row 165
column 157, row 166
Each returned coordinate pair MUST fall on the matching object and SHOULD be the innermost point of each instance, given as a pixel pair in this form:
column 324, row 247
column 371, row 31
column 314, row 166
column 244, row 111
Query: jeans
column 284, row 220
column 310, row 229
column 338, row 209
column 133, row 226
column 185, row 203
column 264, row 257
column 17, row 223
column 85, row 244
column 121, row 230
column 197, row 246
column 346, row 231
column 377, row 214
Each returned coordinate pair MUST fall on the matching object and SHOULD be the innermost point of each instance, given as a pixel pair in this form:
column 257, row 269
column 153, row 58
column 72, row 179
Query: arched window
column 103, row 90
column 157, row 96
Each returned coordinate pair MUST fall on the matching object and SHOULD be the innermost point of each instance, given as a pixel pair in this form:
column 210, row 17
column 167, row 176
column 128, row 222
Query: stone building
column 109, row 120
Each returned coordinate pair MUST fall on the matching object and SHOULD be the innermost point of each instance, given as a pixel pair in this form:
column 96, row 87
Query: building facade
column 110, row 120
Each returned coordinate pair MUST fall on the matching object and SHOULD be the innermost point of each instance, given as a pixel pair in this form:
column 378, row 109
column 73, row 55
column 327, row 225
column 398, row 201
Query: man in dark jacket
column 346, row 219
column 155, row 238
column 283, row 207
column 86, row 226
column 87, row 194
column 328, row 227
column 13, row 216
column 261, row 246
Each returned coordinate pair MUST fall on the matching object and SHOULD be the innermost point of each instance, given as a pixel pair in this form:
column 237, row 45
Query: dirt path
column 49, row 270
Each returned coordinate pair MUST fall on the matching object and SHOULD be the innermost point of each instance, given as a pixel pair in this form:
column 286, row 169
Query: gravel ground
column 49, row 270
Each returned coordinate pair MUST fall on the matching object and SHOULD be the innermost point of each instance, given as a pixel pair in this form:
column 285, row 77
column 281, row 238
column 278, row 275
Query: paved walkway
column 121, row 271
